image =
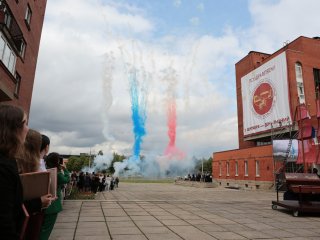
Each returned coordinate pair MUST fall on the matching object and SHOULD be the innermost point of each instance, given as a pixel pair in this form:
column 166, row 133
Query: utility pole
column 90, row 159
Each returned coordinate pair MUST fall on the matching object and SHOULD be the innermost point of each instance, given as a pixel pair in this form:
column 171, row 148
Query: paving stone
column 190, row 232
column 171, row 212
column 175, row 222
column 129, row 237
column 92, row 224
column 121, row 224
column 166, row 236
column 227, row 235
column 117, row 218
column 125, row 231
column 107, row 237
column 143, row 218
column 91, row 219
column 153, row 229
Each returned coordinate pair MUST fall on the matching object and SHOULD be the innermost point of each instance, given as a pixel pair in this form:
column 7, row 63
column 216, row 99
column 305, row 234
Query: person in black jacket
column 13, row 131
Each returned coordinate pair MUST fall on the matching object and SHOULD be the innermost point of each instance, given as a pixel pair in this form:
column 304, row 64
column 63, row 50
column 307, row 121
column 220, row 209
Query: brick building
column 20, row 31
column 269, row 89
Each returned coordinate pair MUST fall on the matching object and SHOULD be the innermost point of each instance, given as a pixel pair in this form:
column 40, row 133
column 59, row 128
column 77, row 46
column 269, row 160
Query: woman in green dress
column 51, row 213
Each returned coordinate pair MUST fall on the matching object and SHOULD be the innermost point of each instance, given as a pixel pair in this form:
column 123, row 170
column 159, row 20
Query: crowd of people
column 22, row 150
column 204, row 177
column 93, row 182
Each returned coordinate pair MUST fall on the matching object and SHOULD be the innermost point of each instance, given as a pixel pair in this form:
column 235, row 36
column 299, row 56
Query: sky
column 179, row 56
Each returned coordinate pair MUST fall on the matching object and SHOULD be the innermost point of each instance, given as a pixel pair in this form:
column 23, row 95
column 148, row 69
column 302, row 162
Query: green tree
column 207, row 165
column 116, row 158
column 76, row 163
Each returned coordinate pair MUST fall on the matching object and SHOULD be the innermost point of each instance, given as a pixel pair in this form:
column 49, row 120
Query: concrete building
column 269, row 89
column 20, row 32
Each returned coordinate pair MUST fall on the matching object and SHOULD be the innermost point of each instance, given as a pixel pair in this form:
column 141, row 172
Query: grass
column 144, row 180
column 76, row 195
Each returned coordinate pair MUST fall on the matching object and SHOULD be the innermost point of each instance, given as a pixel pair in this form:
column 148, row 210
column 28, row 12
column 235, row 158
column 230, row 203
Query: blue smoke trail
column 138, row 113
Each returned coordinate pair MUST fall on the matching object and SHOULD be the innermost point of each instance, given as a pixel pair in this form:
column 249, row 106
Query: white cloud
column 194, row 21
column 177, row 3
column 200, row 7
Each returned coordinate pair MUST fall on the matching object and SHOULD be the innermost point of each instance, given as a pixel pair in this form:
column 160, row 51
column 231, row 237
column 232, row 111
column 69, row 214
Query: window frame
column 28, row 16
column 257, row 168
column 228, row 168
column 299, row 82
column 10, row 59
column 236, row 169
column 246, row 168
column 18, row 84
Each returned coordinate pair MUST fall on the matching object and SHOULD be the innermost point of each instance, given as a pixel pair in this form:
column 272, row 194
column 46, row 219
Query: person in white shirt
column 45, row 144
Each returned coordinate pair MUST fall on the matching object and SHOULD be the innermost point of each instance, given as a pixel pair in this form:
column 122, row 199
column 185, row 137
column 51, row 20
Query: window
column 257, row 168
column 28, row 16
column 228, row 165
column 246, row 168
column 7, row 55
column 236, row 168
column 17, row 87
column 7, row 20
column 263, row 143
column 316, row 76
column 299, row 79
column 2, row 45
column 22, row 49
column 220, row 169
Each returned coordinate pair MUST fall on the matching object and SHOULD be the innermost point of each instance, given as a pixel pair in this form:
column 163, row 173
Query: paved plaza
column 140, row 211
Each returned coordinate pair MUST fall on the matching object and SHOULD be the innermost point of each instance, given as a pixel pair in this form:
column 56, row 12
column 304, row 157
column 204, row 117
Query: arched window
column 299, row 79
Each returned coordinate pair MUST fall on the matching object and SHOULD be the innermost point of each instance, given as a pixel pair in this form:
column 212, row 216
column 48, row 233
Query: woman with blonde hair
column 28, row 160
column 29, row 157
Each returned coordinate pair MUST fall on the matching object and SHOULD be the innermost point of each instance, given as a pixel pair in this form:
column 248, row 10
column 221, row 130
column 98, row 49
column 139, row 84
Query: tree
column 116, row 158
column 76, row 163
column 207, row 165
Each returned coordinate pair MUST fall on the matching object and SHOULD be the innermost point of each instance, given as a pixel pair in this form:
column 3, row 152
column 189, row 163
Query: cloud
column 269, row 33
column 200, row 7
column 194, row 21
column 177, row 3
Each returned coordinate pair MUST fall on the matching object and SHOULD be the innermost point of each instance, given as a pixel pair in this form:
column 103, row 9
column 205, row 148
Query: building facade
column 269, row 89
column 20, row 32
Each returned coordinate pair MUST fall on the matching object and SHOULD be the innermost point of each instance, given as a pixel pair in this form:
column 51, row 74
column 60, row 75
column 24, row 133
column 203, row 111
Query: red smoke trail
column 171, row 150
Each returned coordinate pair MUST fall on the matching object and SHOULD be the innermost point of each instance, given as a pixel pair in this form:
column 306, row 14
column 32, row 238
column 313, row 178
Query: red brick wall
column 263, row 154
column 26, row 67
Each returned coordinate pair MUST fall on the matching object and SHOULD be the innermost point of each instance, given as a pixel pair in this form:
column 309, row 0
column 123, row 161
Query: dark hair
column 52, row 160
column 11, row 124
column 45, row 141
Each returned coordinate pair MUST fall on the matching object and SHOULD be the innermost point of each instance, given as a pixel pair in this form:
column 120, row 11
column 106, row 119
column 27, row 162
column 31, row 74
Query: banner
column 265, row 98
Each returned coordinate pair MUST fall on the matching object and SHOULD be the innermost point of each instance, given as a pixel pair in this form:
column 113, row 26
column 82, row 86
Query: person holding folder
column 51, row 213
column 13, row 131
column 28, row 161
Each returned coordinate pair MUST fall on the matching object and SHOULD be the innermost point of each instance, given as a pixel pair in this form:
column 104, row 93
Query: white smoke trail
column 109, row 65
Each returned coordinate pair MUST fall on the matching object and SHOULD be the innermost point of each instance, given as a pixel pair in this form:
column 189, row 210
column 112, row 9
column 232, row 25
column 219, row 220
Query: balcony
column 10, row 28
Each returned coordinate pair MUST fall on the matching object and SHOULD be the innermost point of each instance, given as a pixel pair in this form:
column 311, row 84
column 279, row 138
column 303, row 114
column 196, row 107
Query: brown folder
column 53, row 181
column 35, row 184
column 25, row 222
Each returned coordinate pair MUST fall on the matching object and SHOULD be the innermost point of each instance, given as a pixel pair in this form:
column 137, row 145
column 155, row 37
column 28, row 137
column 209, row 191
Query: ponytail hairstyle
column 11, row 124
column 28, row 159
